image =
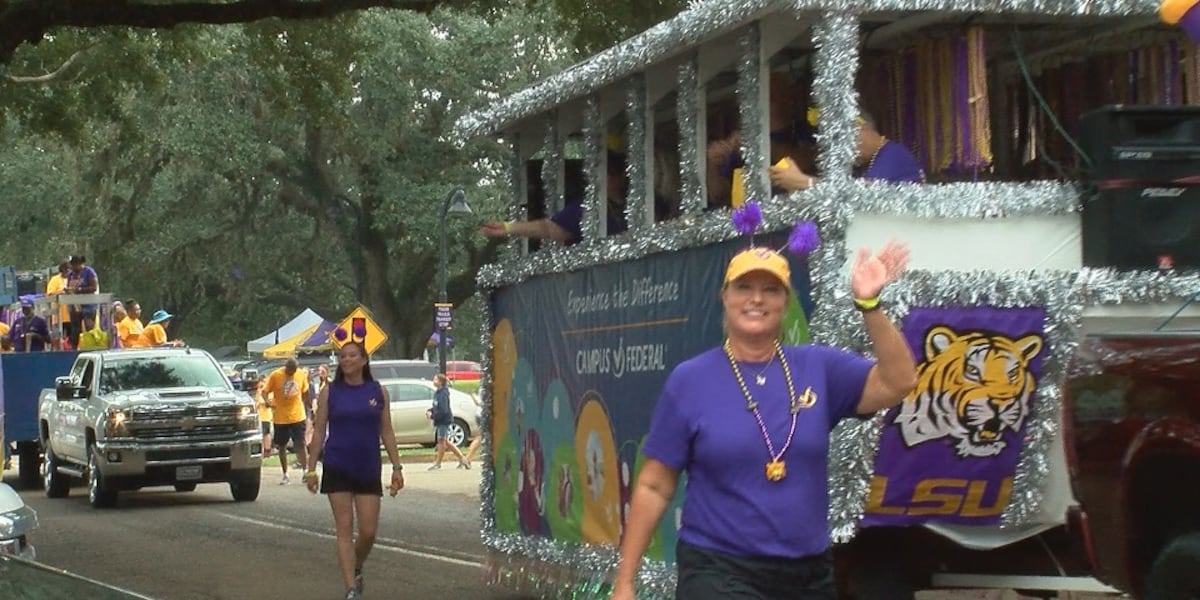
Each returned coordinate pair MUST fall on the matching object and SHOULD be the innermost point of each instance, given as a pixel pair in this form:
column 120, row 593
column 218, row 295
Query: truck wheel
column 100, row 494
column 245, row 487
column 29, row 463
column 56, row 484
column 185, row 487
column 458, row 433
column 1176, row 572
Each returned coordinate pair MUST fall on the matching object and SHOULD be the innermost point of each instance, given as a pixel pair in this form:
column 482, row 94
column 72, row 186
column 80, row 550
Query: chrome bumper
column 119, row 457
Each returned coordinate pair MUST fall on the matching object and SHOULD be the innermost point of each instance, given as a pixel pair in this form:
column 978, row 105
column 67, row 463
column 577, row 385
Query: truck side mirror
column 66, row 389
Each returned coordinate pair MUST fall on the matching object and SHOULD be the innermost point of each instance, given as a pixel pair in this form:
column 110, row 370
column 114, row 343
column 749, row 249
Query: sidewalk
column 447, row 480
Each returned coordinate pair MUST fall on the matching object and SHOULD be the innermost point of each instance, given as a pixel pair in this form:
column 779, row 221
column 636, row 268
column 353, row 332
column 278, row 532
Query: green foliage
column 598, row 24
column 236, row 175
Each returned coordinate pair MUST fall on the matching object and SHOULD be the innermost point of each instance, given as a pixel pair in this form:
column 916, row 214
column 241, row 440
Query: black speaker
column 1142, row 205
column 30, row 283
column 1142, row 228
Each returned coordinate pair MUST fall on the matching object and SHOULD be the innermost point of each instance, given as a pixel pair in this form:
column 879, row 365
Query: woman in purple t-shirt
column 750, row 422
column 352, row 416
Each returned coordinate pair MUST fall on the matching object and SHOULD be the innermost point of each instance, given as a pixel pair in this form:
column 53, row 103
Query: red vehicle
column 463, row 370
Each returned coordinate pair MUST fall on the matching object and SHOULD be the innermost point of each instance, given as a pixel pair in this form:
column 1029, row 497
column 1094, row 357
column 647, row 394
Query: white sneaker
column 284, row 480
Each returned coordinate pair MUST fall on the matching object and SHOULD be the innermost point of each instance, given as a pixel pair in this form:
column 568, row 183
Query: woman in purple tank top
column 352, row 416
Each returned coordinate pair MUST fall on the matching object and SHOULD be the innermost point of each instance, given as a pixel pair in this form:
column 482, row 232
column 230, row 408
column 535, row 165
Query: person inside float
column 878, row 158
column 791, row 139
column 566, row 226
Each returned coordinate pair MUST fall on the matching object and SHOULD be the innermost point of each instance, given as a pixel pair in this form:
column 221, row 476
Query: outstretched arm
column 895, row 372
column 542, row 229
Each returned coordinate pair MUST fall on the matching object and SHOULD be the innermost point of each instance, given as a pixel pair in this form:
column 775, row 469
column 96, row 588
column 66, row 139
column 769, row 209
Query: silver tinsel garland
column 688, row 105
column 836, row 37
column 753, row 121
column 595, row 135
column 635, row 152
column 707, row 19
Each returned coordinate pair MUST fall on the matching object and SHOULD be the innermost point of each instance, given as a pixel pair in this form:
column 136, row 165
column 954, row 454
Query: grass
column 470, row 387
column 416, row 453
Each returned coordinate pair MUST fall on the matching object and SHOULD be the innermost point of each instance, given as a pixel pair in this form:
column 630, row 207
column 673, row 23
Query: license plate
column 189, row 472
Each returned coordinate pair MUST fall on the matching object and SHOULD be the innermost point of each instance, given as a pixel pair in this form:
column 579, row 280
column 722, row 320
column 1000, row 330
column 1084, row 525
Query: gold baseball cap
column 759, row 259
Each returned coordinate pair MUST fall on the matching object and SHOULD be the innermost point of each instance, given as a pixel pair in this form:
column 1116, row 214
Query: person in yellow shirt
column 265, row 415
column 55, row 286
column 155, row 334
column 129, row 329
column 5, row 341
column 284, row 391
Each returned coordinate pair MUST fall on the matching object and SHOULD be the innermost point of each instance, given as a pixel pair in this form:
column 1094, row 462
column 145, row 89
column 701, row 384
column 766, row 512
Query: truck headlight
column 247, row 417
column 114, row 425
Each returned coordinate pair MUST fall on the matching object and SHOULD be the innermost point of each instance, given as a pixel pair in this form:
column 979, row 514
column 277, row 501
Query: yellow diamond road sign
column 360, row 327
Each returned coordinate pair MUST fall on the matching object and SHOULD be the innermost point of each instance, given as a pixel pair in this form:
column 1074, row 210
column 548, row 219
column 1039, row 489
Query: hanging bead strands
column 776, row 469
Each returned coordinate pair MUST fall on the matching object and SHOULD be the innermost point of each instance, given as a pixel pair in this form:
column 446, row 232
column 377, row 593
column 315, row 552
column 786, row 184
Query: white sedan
column 16, row 520
column 410, row 399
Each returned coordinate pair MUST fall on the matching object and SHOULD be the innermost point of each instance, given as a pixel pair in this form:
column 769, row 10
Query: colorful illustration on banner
column 556, row 424
column 504, row 360
column 949, row 452
column 531, row 487
column 596, row 452
column 505, row 499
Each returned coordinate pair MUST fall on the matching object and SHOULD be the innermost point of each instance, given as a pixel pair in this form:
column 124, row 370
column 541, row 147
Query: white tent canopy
column 302, row 321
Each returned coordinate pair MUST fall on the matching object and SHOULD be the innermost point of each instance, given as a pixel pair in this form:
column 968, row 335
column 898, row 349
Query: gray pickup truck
column 127, row 419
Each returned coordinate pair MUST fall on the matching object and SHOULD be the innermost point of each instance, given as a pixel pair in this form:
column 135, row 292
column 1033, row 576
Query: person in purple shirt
column 878, row 158
column 353, row 415
column 81, row 279
column 750, row 422
column 30, row 333
column 566, row 225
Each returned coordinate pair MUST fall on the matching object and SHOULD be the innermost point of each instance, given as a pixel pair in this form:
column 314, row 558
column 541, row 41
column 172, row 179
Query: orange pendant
column 776, row 470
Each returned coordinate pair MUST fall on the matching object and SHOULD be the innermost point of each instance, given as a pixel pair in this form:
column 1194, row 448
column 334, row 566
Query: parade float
column 1054, row 237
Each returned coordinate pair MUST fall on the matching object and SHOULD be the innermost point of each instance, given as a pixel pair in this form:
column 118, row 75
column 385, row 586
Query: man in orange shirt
column 129, row 330
column 284, row 392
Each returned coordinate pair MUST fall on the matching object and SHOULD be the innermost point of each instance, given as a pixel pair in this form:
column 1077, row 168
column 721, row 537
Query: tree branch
column 51, row 76
column 24, row 21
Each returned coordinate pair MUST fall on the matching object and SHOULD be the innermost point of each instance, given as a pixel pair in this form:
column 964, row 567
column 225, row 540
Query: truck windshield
column 123, row 374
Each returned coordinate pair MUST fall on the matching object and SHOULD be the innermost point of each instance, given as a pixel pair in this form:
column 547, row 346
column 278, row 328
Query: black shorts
column 293, row 432
column 334, row 481
column 709, row 575
column 266, row 427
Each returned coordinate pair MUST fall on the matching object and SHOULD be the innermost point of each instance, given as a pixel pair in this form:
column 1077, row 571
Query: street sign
column 441, row 314
column 360, row 327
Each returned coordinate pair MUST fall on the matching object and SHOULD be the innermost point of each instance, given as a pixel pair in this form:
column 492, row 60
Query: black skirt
column 334, row 481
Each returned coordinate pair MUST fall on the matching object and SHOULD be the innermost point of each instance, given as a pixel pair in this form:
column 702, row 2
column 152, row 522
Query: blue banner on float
column 579, row 360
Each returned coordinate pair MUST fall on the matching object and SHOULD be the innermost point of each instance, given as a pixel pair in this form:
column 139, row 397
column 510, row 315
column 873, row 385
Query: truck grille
column 183, row 422
column 186, row 454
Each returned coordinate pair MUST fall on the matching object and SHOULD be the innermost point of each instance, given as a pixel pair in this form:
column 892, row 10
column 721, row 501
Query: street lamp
column 456, row 204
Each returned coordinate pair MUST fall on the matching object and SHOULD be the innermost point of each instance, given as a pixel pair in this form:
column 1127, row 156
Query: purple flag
column 949, row 451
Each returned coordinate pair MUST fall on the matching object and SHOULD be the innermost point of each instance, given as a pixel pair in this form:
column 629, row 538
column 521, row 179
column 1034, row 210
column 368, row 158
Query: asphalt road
column 202, row 546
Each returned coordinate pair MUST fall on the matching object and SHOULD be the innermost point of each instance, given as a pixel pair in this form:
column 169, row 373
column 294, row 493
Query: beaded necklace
column 776, row 468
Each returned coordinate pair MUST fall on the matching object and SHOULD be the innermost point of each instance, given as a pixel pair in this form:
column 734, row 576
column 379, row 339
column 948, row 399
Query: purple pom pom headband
column 804, row 239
